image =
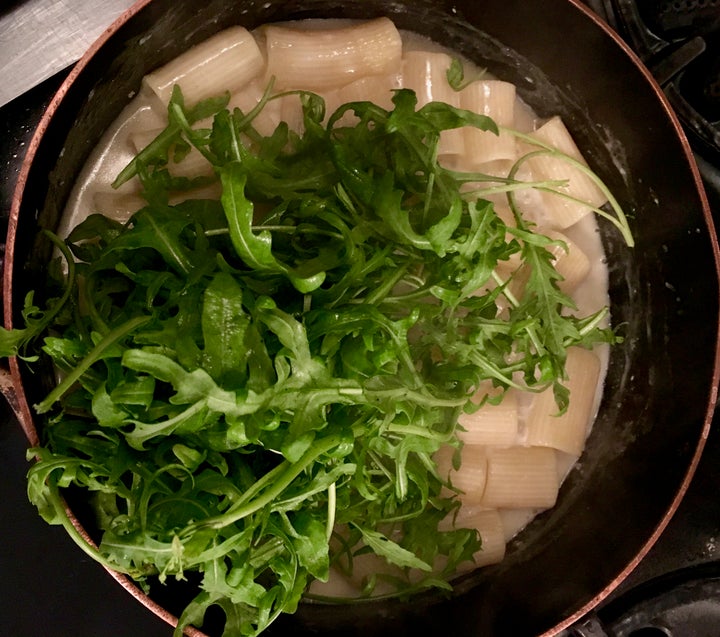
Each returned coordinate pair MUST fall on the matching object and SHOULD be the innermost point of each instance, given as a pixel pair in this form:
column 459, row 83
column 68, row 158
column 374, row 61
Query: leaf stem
column 94, row 355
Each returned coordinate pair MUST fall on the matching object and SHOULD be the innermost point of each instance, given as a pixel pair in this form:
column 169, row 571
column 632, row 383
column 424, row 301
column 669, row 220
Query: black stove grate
column 678, row 19
column 679, row 41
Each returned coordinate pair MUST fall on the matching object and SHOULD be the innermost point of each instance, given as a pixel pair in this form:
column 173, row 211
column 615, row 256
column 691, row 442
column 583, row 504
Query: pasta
column 495, row 99
column 566, row 432
column 224, row 62
column 521, row 477
column 562, row 212
column 424, row 72
column 470, row 481
column 489, row 524
column 569, row 260
column 509, row 451
column 248, row 98
column 190, row 165
column 491, row 424
column 321, row 59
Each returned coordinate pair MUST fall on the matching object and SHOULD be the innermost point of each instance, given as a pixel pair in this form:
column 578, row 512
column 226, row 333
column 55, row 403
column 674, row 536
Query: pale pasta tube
column 520, row 477
column 569, row 260
column 561, row 212
column 116, row 205
column 291, row 112
column 374, row 88
column 489, row 525
column 248, row 98
column 469, row 479
column 320, row 59
column 193, row 164
column 338, row 584
column 496, row 99
column 491, row 424
column 224, row 62
column 367, row 566
column 492, row 534
column 122, row 206
column 514, row 520
column 568, row 431
column 211, row 191
column 425, row 72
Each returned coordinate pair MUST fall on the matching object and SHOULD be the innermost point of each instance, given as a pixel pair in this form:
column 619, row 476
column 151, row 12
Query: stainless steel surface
column 38, row 38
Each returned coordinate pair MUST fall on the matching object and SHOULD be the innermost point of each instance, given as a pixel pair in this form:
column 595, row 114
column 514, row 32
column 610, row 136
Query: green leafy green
column 255, row 387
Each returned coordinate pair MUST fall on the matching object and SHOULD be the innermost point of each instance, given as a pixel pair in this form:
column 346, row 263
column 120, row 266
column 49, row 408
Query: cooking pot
column 662, row 380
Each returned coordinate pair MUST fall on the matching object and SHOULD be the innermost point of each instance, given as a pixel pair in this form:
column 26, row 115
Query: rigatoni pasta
column 569, row 260
column 224, row 62
column 192, row 164
column 509, row 450
column 489, row 524
column 248, row 97
column 572, row 201
column 491, row 424
column 327, row 58
column 520, row 477
column 567, row 432
column 425, row 73
column 471, row 479
column 497, row 100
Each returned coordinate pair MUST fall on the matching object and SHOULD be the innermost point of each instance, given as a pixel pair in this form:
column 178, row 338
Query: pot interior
column 664, row 292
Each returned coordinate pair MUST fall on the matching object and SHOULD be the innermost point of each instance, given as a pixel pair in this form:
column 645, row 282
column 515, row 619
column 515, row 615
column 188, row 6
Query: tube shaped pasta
column 521, row 477
column 116, row 205
column 469, row 479
column 490, row 526
column 328, row 58
column 492, row 533
column 191, row 165
column 425, row 72
column 224, row 62
column 491, row 424
column 374, row 88
column 562, row 213
column 496, row 99
column 569, row 260
column 247, row 99
column 211, row 191
column 568, row 431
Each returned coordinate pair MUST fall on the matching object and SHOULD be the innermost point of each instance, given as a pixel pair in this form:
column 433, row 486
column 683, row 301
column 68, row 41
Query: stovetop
column 49, row 588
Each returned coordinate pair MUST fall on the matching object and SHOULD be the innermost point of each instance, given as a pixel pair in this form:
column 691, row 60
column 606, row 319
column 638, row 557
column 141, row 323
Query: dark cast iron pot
column 662, row 380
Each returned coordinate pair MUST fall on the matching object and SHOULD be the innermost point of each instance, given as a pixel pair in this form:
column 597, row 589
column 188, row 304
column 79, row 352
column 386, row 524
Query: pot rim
column 713, row 395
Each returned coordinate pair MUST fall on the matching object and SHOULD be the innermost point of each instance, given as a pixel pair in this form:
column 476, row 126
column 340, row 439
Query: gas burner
column 684, row 603
column 679, row 41
column 679, row 19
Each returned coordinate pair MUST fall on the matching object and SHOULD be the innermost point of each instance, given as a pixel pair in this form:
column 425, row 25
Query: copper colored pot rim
column 19, row 402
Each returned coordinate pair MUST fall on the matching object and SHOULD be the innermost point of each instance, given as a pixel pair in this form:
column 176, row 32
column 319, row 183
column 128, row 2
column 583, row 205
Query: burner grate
column 679, row 41
column 674, row 20
column 681, row 604
column 701, row 81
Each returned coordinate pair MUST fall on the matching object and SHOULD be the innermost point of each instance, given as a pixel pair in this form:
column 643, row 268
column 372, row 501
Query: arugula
column 254, row 388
